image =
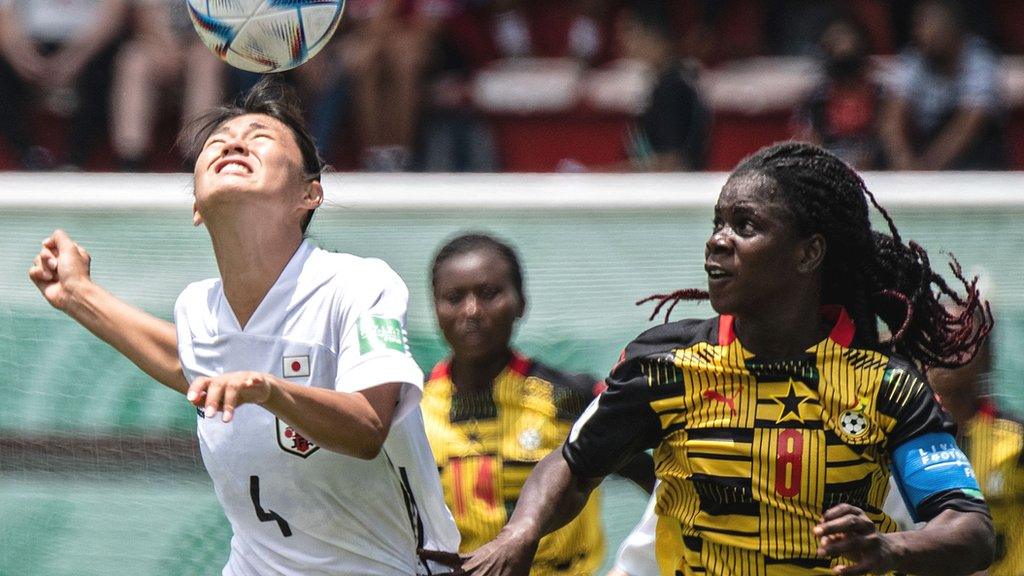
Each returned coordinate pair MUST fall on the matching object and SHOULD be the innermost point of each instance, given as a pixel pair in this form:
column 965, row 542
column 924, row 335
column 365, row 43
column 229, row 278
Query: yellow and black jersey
column 487, row 443
column 995, row 445
column 751, row 451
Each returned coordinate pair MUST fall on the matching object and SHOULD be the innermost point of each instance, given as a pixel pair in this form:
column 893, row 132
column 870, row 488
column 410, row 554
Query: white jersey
column 636, row 554
column 333, row 321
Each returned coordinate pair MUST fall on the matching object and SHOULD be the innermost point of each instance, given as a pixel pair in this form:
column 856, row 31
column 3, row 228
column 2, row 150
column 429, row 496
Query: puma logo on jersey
column 729, row 401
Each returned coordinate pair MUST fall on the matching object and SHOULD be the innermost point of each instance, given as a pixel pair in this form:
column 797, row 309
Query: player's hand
column 226, row 392
column 59, row 269
column 845, row 530
column 448, row 559
column 506, row 555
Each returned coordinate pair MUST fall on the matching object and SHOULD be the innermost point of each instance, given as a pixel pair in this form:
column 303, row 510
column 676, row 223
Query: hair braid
column 874, row 275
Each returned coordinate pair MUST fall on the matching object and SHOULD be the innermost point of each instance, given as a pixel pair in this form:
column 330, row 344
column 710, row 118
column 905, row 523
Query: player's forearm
column 951, row 543
column 550, row 499
column 342, row 422
column 149, row 342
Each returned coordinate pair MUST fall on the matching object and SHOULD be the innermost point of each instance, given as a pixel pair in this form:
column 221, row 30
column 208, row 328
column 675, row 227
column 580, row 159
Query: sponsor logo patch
column 292, row 442
column 377, row 333
column 295, row 366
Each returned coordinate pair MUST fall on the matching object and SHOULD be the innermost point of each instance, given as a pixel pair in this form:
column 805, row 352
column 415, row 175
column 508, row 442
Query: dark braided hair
column 472, row 242
column 873, row 275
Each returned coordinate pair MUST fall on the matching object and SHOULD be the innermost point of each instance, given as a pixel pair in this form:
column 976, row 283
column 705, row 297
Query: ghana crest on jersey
column 751, row 451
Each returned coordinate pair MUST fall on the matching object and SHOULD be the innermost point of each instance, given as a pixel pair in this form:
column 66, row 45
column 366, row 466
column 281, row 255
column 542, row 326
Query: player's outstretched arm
column 61, row 273
column 953, row 542
column 551, row 497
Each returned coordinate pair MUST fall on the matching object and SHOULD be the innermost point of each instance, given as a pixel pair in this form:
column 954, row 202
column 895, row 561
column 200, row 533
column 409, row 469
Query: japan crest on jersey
column 292, row 442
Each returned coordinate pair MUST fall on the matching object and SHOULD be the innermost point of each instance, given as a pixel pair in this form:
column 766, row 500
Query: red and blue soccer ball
column 265, row 35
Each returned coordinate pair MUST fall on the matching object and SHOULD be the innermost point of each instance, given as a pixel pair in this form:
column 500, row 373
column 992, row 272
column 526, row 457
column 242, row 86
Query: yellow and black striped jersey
column 751, row 451
column 995, row 445
column 487, row 443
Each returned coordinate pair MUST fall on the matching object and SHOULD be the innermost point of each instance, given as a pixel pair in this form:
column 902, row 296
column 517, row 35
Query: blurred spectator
column 672, row 131
column 164, row 60
column 980, row 16
column 944, row 110
column 454, row 137
column 794, row 27
column 841, row 114
column 325, row 87
column 386, row 47
column 578, row 29
column 58, row 53
column 714, row 32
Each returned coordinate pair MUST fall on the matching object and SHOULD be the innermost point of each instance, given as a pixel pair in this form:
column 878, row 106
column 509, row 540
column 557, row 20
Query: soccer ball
column 853, row 423
column 265, row 35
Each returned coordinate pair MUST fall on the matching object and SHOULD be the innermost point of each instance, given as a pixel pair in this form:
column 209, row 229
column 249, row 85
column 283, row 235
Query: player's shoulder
column 350, row 272
column 202, row 293
column 672, row 336
column 562, row 380
column 901, row 383
column 901, row 374
column 343, row 264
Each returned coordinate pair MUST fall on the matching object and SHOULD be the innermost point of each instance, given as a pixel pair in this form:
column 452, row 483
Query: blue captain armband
column 930, row 464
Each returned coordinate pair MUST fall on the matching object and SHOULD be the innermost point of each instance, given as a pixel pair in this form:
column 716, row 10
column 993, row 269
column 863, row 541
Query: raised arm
column 61, row 273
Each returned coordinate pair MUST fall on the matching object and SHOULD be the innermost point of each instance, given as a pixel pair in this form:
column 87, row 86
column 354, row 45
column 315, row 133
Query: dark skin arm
column 551, row 498
column 951, row 543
